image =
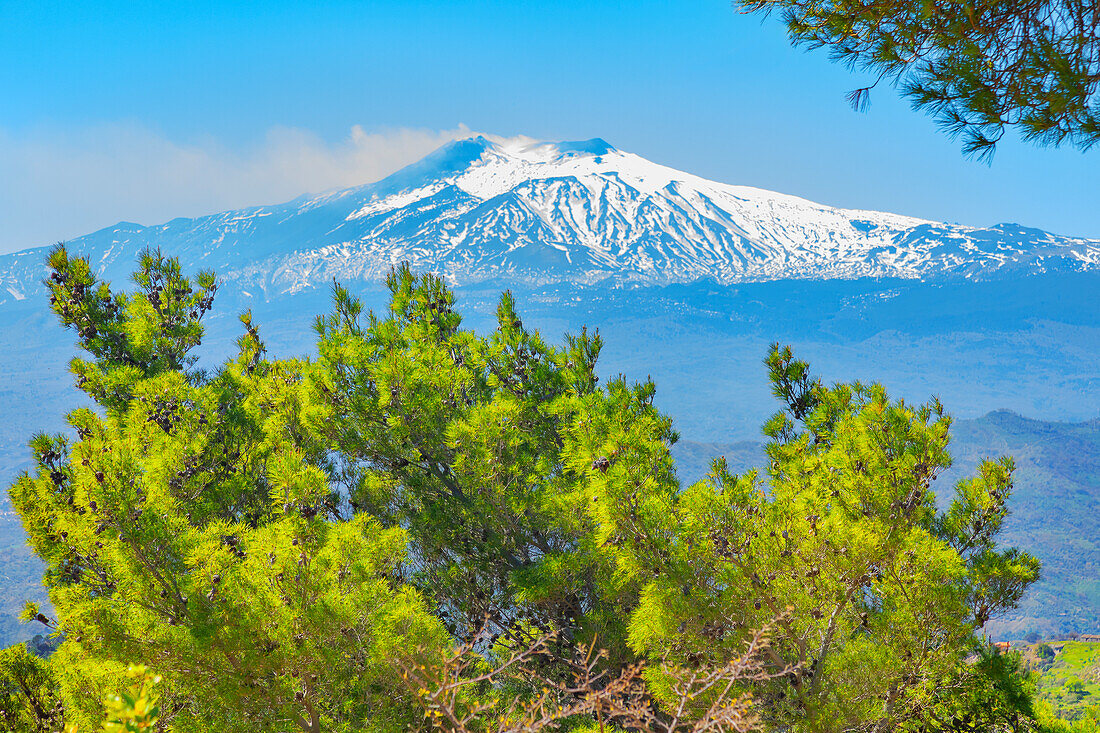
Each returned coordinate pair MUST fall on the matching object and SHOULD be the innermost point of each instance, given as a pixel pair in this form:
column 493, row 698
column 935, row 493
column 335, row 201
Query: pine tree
column 878, row 593
column 523, row 484
column 979, row 68
column 29, row 702
column 191, row 526
column 460, row 439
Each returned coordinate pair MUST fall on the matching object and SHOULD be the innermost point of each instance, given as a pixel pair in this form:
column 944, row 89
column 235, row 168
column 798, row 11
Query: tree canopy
column 979, row 67
column 425, row 527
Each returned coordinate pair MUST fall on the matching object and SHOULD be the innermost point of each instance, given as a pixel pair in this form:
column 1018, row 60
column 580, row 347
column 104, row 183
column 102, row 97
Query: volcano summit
column 570, row 212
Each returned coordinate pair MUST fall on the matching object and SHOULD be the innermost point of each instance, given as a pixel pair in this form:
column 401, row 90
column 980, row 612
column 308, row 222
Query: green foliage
column 1067, row 676
column 28, row 693
column 978, row 68
column 879, row 592
column 137, row 708
column 991, row 694
column 186, row 527
column 464, row 441
column 288, row 542
column 1054, row 502
column 1054, row 515
column 130, row 336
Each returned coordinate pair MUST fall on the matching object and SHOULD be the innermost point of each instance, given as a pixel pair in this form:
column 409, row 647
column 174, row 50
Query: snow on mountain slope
column 577, row 212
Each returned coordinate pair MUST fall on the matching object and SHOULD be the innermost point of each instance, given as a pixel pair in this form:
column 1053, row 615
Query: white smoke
column 61, row 184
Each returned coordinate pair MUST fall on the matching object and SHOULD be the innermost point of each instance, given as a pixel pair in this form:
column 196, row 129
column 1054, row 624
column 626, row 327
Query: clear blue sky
column 691, row 83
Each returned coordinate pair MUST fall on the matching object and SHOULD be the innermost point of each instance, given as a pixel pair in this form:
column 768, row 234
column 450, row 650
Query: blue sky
column 142, row 111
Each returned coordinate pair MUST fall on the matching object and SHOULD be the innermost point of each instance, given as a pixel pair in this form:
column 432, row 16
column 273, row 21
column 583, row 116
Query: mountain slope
column 577, row 213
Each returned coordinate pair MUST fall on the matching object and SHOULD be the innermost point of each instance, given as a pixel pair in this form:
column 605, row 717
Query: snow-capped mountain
column 575, row 212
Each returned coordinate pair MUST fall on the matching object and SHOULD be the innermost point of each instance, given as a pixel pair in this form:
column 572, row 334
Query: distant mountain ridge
column 572, row 212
